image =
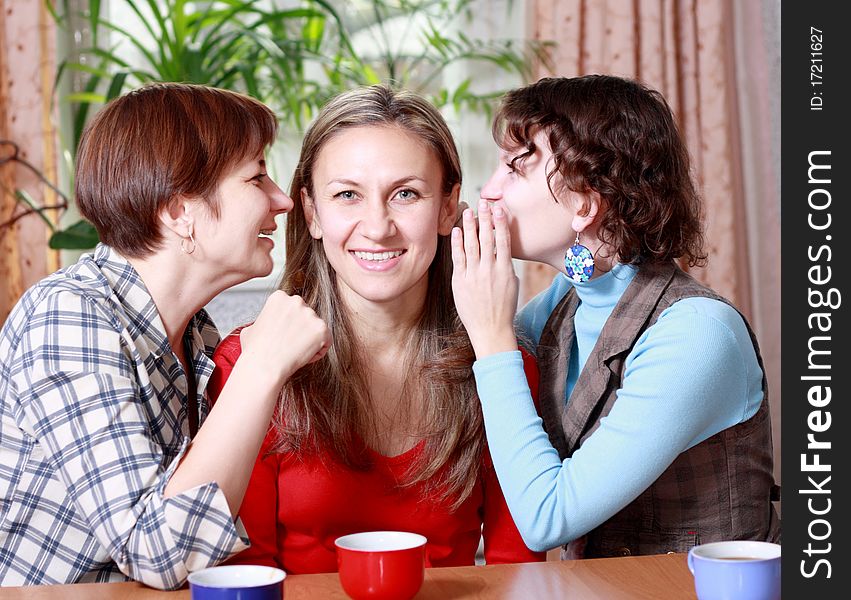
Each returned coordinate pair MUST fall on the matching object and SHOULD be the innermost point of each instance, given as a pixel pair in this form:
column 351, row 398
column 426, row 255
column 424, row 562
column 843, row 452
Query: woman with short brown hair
column 112, row 465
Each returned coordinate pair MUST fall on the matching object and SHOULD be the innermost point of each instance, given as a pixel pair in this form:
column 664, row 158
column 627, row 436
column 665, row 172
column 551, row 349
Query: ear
column 313, row 224
column 449, row 211
column 177, row 216
column 588, row 207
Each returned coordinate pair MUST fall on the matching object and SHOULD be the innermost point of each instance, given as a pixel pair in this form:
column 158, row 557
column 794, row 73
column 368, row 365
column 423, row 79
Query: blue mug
column 237, row 582
column 736, row 570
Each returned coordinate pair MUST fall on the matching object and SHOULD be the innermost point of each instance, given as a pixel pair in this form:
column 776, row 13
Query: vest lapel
column 553, row 355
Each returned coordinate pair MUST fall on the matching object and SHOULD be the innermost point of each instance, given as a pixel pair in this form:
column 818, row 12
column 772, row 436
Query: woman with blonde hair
column 385, row 432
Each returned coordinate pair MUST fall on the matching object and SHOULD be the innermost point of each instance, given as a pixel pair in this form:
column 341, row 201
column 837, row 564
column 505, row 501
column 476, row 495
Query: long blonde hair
column 326, row 405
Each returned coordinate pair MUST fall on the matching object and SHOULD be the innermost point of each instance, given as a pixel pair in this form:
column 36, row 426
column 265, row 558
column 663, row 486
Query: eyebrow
column 400, row 181
column 520, row 155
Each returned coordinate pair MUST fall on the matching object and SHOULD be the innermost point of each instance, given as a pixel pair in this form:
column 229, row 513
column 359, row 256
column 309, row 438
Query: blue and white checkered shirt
column 93, row 421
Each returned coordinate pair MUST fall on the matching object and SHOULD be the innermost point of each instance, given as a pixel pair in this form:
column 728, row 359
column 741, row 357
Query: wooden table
column 663, row 577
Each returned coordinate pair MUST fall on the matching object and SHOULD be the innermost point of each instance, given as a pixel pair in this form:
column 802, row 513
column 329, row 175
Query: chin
column 265, row 265
column 384, row 295
column 255, row 273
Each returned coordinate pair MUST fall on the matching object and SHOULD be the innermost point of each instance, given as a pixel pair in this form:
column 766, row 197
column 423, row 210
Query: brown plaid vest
column 720, row 489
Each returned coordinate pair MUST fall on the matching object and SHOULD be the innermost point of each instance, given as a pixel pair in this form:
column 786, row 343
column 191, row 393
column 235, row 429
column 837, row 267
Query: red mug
column 381, row 565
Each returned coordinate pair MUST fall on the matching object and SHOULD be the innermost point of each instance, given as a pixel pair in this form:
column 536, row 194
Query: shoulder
column 64, row 326
column 706, row 313
column 230, row 348
column 61, row 300
column 702, row 327
column 83, row 279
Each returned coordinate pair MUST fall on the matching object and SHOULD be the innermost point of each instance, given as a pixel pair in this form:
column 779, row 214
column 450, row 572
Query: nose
column 377, row 221
column 492, row 189
column 280, row 202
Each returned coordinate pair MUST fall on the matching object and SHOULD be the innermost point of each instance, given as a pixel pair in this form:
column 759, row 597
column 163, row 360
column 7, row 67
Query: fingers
column 326, row 345
column 486, row 239
column 471, row 240
column 474, row 245
column 287, row 319
column 502, row 235
column 459, row 258
column 322, row 352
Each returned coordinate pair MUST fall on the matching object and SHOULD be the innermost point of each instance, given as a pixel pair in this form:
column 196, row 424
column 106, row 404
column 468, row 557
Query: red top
column 296, row 506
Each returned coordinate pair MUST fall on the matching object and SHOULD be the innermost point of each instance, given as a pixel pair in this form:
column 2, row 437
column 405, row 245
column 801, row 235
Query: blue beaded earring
column 579, row 262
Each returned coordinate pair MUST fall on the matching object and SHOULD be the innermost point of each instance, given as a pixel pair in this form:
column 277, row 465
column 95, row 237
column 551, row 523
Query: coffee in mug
column 736, row 570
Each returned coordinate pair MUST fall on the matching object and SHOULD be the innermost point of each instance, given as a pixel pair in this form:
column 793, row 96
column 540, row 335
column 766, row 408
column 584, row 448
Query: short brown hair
column 154, row 143
column 618, row 138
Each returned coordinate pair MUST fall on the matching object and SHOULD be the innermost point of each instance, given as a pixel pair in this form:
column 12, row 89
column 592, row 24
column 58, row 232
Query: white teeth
column 267, row 231
column 377, row 256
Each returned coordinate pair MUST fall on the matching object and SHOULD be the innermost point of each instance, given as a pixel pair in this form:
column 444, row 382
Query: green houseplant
column 293, row 56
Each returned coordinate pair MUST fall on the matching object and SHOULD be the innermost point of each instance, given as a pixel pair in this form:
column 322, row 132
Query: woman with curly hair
column 654, row 433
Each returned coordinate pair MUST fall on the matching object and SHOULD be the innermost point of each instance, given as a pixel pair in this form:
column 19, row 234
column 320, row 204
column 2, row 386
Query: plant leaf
column 79, row 236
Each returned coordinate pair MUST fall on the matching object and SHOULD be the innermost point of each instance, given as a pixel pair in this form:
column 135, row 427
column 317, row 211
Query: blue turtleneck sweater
column 689, row 376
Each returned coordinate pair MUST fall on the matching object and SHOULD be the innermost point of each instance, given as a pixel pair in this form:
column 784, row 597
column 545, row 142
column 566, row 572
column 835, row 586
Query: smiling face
column 541, row 227
column 236, row 243
column 378, row 206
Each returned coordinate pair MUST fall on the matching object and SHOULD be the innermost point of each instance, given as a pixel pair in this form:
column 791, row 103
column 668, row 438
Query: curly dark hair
column 616, row 137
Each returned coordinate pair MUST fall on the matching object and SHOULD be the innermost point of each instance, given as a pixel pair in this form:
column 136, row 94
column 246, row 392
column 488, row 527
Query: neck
column 385, row 327
column 178, row 290
column 383, row 331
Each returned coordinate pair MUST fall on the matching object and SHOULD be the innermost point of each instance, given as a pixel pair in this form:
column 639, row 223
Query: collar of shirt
column 143, row 319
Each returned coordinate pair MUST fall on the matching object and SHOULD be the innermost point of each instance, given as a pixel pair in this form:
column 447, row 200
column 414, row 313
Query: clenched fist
column 286, row 335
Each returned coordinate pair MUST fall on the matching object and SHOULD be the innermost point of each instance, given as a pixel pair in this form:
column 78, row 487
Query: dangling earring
column 579, row 262
column 183, row 244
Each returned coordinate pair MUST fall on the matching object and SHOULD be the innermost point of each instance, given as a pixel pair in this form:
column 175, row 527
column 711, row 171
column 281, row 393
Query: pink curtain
column 713, row 61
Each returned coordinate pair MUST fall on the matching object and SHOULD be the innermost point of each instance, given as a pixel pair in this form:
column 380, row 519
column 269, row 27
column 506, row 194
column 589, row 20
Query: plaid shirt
column 93, row 422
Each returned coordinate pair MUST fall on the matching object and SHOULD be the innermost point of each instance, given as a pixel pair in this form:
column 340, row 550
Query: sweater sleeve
column 503, row 543
column 686, row 379
column 258, row 511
